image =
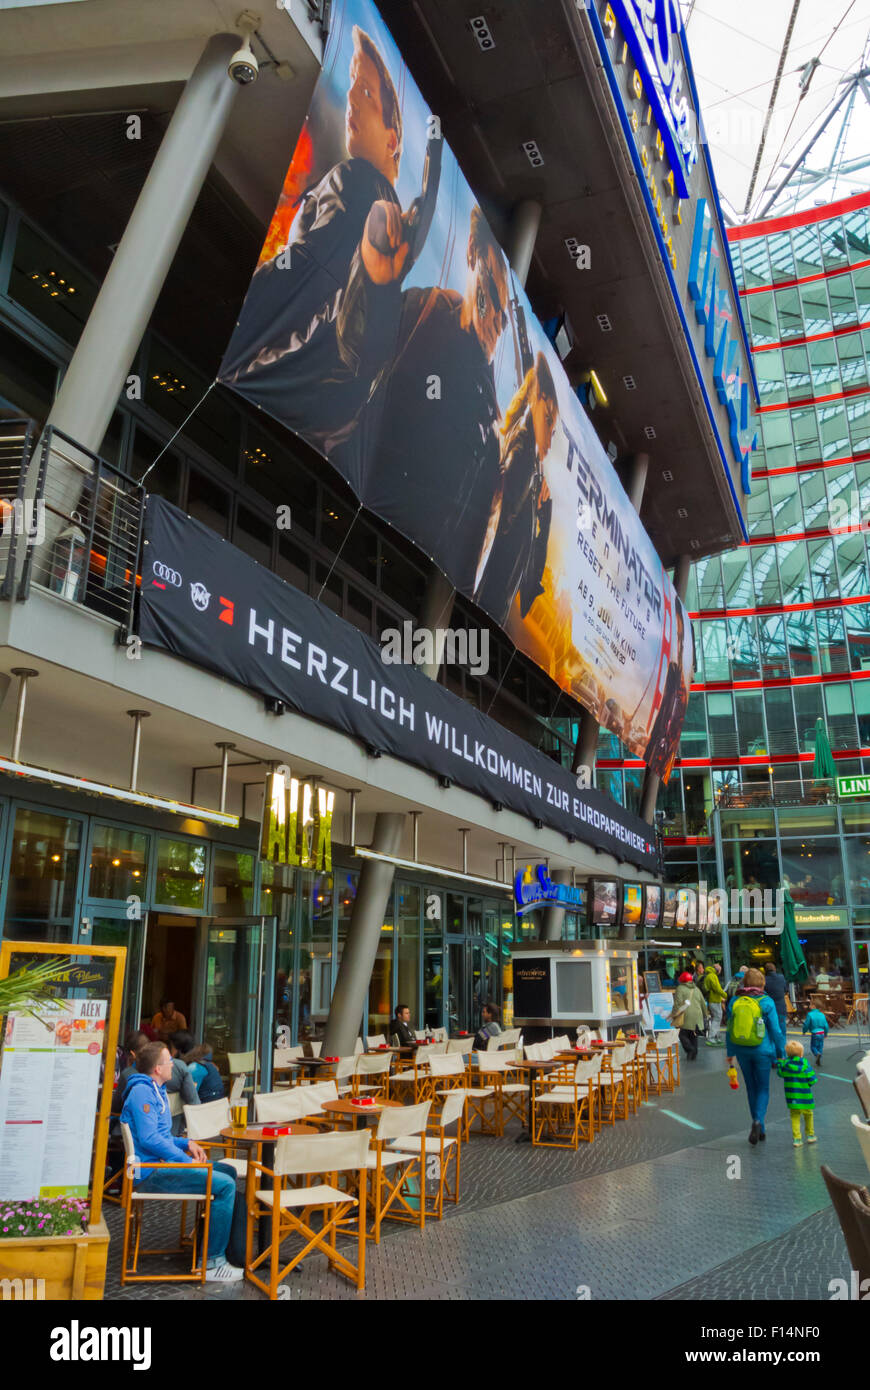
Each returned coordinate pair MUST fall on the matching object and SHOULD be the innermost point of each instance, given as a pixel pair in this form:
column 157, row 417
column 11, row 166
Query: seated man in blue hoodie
column 146, row 1111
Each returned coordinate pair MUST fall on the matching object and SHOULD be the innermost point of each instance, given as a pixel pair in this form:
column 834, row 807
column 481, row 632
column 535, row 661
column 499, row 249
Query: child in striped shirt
column 799, row 1079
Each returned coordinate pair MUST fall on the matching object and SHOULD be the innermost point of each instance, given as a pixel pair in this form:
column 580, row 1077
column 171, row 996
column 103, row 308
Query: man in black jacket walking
column 775, row 985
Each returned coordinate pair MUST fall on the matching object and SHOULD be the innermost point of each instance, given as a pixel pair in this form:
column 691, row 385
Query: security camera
column 243, row 66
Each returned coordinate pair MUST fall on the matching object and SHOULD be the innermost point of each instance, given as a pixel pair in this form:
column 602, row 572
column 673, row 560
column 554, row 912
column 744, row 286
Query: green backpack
column 746, row 1025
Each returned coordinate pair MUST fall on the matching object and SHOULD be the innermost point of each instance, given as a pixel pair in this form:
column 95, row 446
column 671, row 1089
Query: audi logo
column 169, row 576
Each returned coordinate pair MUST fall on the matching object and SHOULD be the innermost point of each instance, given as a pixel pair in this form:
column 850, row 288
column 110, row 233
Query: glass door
column 99, row 927
column 457, row 992
column 236, row 988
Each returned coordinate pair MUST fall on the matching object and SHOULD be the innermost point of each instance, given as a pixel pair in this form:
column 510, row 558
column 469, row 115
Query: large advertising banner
column 208, row 602
column 384, row 325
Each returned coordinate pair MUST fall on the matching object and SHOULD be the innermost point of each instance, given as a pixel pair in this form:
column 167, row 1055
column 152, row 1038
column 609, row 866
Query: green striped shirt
column 799, row 1079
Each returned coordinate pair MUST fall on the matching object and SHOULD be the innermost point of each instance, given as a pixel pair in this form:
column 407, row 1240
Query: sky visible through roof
column 736, row 50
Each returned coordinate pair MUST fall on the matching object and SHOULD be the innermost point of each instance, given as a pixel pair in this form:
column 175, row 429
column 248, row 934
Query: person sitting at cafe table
column 401, row 1032
column 168, row 1021
column 490, row 1028
column 146, row 1111
column 133, row 1044
column 181, row 1082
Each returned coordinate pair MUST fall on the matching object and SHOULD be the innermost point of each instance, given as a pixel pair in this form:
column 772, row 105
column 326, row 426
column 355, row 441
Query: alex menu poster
column 49, row 1087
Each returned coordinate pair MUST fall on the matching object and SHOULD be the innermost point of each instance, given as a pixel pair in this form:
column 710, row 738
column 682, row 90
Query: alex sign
column 297, row 822
column 540, row 890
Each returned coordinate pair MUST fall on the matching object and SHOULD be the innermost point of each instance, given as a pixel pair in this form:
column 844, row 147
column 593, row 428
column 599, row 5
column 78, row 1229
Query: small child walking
column 799, row 1079
column 816, row 1025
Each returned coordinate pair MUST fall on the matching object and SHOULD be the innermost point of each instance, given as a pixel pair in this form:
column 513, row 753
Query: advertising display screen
column 669, row 907
column 652, row 904
column 384, row 325
column 632, row 904
column 605, row 896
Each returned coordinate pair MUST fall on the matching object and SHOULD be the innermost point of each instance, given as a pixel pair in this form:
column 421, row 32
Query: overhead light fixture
column 482, row 32
column 682, row 513
column 603, row 321
column 533, row 154
column 445, row 781
column 669, row 478
column 629, row 383
column 84, row 784
column 649, row 432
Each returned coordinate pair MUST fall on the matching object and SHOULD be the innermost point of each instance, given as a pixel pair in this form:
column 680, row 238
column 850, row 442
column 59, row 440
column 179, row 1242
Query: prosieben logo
column 76, row 1343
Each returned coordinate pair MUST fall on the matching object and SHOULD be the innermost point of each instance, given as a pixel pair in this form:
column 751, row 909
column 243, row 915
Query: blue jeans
column 223, row 1193
column 755, row 1064
column 817, row 1044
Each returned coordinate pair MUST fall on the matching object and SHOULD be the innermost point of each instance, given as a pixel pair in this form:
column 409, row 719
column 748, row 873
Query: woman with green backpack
column 755, row 1039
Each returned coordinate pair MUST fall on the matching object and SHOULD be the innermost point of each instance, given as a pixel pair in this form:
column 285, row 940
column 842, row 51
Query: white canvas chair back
column 129, row 1146
column 240, row 1061
column 461, row 1045
column 207, row 1121
column 584, row 1071
column 420, row 1034
column 534, row 1052
column 278, row 1107
column 862, row 1132
column 316, row 1048
column 451, row 1064
column 452, row 1109
column 373, row 1066
column 561, row 1043
column 284, row 1056
column 436, row 1049
column 619, row 1056
column 439, row 1034
column 345, row 1067
column 494, row 1061
column 176, row 1104
column 641, row 1046
column 511, row 1054
column 669, row 1037
column 509, row 1037
column 342, row 1152
column 358, row 1046
column 237, row 1088
column 493, row 1044
column 403, row 1121
column 314, row 1096
column 376, row 1040
column 548, row 1050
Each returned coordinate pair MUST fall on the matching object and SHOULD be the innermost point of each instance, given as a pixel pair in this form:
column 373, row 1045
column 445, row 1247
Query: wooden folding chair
column 564, row 1106
column 134, row 1202
column 446, row 1148
column 292, row 1210
column 393, row 1170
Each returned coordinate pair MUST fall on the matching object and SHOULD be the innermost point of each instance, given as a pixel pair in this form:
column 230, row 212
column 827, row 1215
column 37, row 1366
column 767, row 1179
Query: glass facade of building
column 782, row 624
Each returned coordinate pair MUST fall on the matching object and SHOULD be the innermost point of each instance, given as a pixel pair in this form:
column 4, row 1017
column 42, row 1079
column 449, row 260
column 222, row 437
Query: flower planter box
column 72, row 1267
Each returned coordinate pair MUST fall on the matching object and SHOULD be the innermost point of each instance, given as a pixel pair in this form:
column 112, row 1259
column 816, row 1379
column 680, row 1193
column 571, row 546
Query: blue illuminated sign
column 715, row 313
column 653, row 30
column 529, row 893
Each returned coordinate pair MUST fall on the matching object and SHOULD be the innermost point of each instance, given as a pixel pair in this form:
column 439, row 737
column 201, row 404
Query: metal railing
column 745, row 795
column 73, row 522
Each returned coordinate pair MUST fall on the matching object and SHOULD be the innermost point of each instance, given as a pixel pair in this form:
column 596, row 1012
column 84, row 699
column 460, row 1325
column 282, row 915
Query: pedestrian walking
column 816, row 1025
column 689, row 1014
column 755, row 1040
column 799, row 1079
column 736, row 981
column 775, row 986
column 715, row 996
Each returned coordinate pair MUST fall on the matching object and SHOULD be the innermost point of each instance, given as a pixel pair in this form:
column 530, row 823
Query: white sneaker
column 223, row 1274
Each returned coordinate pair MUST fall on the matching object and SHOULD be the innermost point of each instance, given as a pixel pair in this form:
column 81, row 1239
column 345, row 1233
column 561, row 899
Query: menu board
column 49, row 1087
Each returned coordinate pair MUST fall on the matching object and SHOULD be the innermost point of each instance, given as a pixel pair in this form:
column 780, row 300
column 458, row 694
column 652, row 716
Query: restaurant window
column 278, row 899
column 49, row 286
column 813, row 869
column 208, row 503
column 294, row 564
column 751, row 863
column 27, row 379
column 180, row 873
column 408, row 937
column 346, row 884
column 454, row 922
column 232, row 892
column 165, row 479
column 253, row 535
column 43, row 869
column 119, row 861
column 381, row 1001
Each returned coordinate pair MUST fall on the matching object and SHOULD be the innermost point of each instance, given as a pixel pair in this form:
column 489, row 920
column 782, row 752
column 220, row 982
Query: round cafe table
column 252, row 1137
column 344, row 1108
column 530, row 1068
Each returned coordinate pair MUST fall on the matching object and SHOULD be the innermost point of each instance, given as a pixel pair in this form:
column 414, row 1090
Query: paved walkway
column 671, row 1204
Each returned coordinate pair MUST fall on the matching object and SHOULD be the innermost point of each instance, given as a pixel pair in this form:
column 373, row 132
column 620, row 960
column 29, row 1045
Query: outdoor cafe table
column 530, row 1068
column 252, row 1137
column 344, row 1108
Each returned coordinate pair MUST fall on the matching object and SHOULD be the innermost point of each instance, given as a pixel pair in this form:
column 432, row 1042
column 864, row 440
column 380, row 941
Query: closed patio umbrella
column 794, row 965
column 823, row 761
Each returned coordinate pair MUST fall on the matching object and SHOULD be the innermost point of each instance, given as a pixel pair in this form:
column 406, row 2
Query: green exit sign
column 853, row 786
